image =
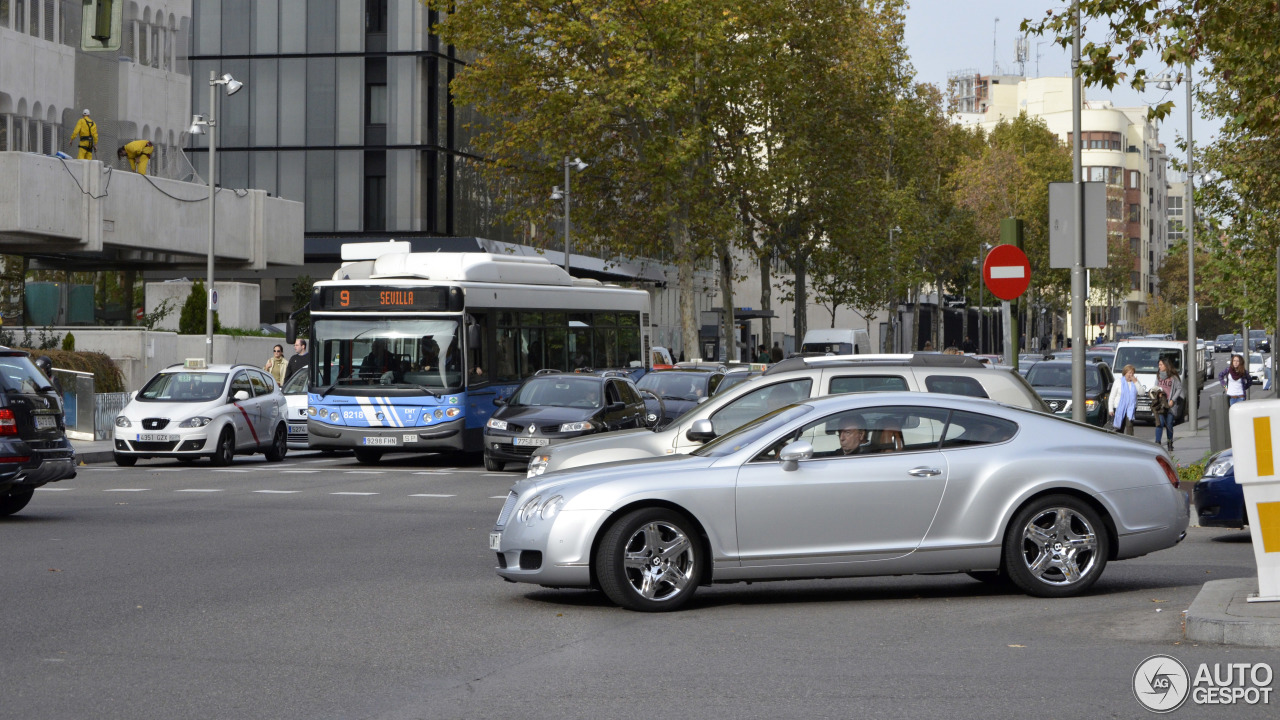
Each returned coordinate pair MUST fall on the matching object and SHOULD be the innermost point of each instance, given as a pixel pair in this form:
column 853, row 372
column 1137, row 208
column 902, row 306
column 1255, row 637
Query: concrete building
column 1120, row 147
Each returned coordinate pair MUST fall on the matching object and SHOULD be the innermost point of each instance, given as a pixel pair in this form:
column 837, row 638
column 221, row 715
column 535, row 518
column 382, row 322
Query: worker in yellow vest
column 87, row 133
column 139, row 154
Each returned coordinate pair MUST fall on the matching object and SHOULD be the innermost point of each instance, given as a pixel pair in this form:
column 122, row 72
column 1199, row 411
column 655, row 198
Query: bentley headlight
column 1219, row 467
column 529, row 509
column 552, row 507
column 195, row 422
column 538, row 464
column 122, row 421
column 583, row 426
column 496, row 424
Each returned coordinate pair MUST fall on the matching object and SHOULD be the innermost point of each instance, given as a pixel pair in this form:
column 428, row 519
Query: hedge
column 106, row 376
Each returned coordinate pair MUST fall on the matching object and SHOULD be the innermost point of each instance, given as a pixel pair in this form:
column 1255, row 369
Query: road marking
column 231, row 471
column 199, row 490
column 49, row 489
column 278, row 492
column 352, row 493
column 160, row 470
column 1007, row 271
column 298, row 472
column 499, row 475
column 497, row 497
column 431, row 495
column 103, row 469
column 362, row 472
column 127, row 490
column 430, row 472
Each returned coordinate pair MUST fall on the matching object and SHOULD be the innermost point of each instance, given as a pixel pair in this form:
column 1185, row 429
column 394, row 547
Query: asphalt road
column 319, row 588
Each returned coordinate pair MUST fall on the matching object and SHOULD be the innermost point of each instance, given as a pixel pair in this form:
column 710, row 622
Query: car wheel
column 1056, row 546
column 650, row 560
column 279, row 446
column 14, row 500
column 225, row 451
column 125, row 460
column 493, row 465
column 368, row 457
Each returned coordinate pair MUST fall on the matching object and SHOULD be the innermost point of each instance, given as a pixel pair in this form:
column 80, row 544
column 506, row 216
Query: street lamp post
column 1192, row 379
column 198, row 124
column 556, row 194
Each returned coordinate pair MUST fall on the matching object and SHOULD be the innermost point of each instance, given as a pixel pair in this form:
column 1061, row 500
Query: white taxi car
column 295, row 393
column 191, row 410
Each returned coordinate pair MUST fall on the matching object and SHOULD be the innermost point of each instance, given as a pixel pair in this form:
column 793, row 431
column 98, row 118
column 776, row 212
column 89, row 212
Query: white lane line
column 278, row 492
column 431, row 495
column 102, row 469
column 199, row 490
column 430, row 472
column 49, row 489
column 126, row 490
column 362, row 472
column 499, row 475
column 160, row 470
column 231, row 471
column 497, row 497
column 352, row 493
column 298, row 472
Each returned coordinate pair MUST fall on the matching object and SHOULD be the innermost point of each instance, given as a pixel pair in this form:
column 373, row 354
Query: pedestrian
column 928, row 346
column 1235, row 378
column 86, row 133
column 138, row 153
column 277, row 364
column 775, row 354
column 45, row 364
column 299, row 359
column 968, row 345
column 1171, row 385
column 762, row 355
column 1124, row 400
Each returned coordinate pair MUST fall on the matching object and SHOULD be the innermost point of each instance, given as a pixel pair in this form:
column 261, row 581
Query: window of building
column 375, row 203
column 1135, row 280
column 1135, row 245
column 1135, row 213
column 375, row 16
column 376, row 104
column 4, row 17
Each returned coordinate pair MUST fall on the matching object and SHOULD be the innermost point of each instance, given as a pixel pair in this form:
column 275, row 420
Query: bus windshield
column 409, row 352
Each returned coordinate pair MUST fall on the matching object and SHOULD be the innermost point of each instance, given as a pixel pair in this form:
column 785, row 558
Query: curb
column 94, row 457
column 1220, row 614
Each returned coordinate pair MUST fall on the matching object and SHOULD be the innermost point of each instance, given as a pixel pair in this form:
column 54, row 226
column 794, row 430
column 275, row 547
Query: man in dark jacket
column 299, row 360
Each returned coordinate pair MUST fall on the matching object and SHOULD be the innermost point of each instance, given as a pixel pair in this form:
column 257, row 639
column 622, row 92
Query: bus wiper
column 423, row 388
column 327, row 389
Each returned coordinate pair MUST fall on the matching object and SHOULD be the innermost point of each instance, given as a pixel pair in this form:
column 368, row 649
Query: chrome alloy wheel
column 1059, row 546
column 658, row 561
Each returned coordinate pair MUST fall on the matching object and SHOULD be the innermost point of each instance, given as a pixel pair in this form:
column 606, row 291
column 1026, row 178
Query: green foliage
column 106, row 376
column 302, row 287
column 1190, row 473
column 167, row 306
column 193, row 320
column 69, row 342
column 255, row 332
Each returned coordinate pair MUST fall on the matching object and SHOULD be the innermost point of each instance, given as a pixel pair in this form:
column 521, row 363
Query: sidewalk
column 91, row 452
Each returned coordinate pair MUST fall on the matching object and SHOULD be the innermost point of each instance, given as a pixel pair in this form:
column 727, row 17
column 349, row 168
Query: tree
column 302, row 287
column 192, row 321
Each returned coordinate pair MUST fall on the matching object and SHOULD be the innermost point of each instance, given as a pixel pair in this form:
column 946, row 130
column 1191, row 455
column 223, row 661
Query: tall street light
column 557, row 194
column 1191, row 379
column 198, row 124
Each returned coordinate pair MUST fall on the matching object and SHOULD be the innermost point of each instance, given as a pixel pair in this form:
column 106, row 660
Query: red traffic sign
column 138, row 313
column 1006, row 272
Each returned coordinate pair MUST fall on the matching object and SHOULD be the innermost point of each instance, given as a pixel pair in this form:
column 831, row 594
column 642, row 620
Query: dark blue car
column 1218, row 498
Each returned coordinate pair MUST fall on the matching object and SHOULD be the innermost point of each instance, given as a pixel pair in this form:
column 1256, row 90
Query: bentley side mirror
column 793, row 453
column 701, row 431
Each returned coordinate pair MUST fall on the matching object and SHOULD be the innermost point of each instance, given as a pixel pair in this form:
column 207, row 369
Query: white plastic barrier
column 1255, row 432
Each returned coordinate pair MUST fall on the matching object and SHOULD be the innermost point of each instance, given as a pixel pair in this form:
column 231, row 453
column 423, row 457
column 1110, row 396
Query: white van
column 1145, row 355
column 832, row 341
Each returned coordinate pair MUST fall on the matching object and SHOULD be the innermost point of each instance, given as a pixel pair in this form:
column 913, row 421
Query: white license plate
column 495, row 540
column 46, row 422
column 297, row 429
column 156, row 437
column 379, row 441
column 410, row 438
column 531, row 442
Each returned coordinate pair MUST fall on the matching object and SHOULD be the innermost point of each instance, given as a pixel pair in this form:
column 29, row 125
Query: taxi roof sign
column 195, row 364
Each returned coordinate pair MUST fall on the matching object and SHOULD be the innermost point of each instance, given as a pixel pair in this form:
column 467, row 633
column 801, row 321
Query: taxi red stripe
column 249, row 422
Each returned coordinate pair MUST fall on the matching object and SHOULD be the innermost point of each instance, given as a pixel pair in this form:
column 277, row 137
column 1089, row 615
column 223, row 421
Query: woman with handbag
column 1124, row 400
column 1171, row 385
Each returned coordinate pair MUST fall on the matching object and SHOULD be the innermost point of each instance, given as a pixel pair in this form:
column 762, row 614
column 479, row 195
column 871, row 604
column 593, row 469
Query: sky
column 948, row 35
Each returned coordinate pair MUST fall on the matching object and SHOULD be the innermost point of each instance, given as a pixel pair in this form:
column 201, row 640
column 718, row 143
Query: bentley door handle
column 924, row 472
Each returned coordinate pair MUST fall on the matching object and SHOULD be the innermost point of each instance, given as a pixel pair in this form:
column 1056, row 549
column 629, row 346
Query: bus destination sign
column 424, row 299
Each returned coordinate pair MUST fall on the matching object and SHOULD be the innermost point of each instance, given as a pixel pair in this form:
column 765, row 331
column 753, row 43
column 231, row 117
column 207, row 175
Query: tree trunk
column 684, row 273
column 766, row 299
column 802, row 299
column 938, row 328
column 913, row 339
column 728, row 327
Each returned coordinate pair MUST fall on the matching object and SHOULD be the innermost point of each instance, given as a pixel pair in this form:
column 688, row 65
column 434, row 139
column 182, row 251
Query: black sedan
column 1052, row 380
column 680, row 389
column 1223, row 343
column 552, row 406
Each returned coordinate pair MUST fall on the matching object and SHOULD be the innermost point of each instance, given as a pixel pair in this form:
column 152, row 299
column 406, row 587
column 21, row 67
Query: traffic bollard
column 1255, row 426
column 1219, row 428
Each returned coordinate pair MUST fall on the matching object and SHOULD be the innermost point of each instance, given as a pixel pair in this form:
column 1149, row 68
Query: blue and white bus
column 409, row 350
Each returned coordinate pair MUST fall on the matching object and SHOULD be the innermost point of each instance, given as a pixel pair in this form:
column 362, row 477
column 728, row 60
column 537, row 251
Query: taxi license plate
column 297, row 429
column 46, row 422
column 379, row 441
column 531, row 442
column 156, row 437
column 495, row 540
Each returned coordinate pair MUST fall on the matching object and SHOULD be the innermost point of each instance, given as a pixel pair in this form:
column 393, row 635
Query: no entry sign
column 1006, row 272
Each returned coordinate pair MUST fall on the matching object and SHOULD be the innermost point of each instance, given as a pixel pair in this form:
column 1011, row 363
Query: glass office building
column 345, row 108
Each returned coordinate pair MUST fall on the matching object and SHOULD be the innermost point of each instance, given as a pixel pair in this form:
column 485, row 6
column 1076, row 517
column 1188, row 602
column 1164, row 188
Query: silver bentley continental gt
column 851, row 485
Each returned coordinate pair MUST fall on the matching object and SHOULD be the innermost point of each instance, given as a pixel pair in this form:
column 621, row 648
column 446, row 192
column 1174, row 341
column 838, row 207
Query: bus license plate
column 495, row 540
column 156, row 437
column 379, row 441
column 46, row 422
column 531, row 442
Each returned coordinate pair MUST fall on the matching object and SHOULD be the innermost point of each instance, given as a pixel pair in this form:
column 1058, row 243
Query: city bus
column 410, row 350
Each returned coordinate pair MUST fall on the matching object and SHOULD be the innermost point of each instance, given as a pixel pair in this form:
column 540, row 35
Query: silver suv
column 792, row 381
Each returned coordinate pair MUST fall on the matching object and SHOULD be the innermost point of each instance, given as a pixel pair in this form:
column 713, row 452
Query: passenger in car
column 890, row 437
column 851, row 434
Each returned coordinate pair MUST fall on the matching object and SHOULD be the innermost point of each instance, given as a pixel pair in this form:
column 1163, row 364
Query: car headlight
column 1090, row 405
column 552, row 507
column 538, row 465
column 122, row 421
column 583, row 426
column 195, row 422
column 1219, row 467
column 529, row 509
column 496, row 424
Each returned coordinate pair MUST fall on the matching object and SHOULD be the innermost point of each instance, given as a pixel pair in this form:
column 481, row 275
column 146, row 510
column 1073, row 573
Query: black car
column 553, row 406
column 34, row 449
column 680, row 389
column 736, row 376
column 1052, row 380
column 1223, row 343
column 1259, row 342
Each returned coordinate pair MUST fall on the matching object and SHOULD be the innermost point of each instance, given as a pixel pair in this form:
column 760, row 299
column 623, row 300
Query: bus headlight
column 453, row 412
